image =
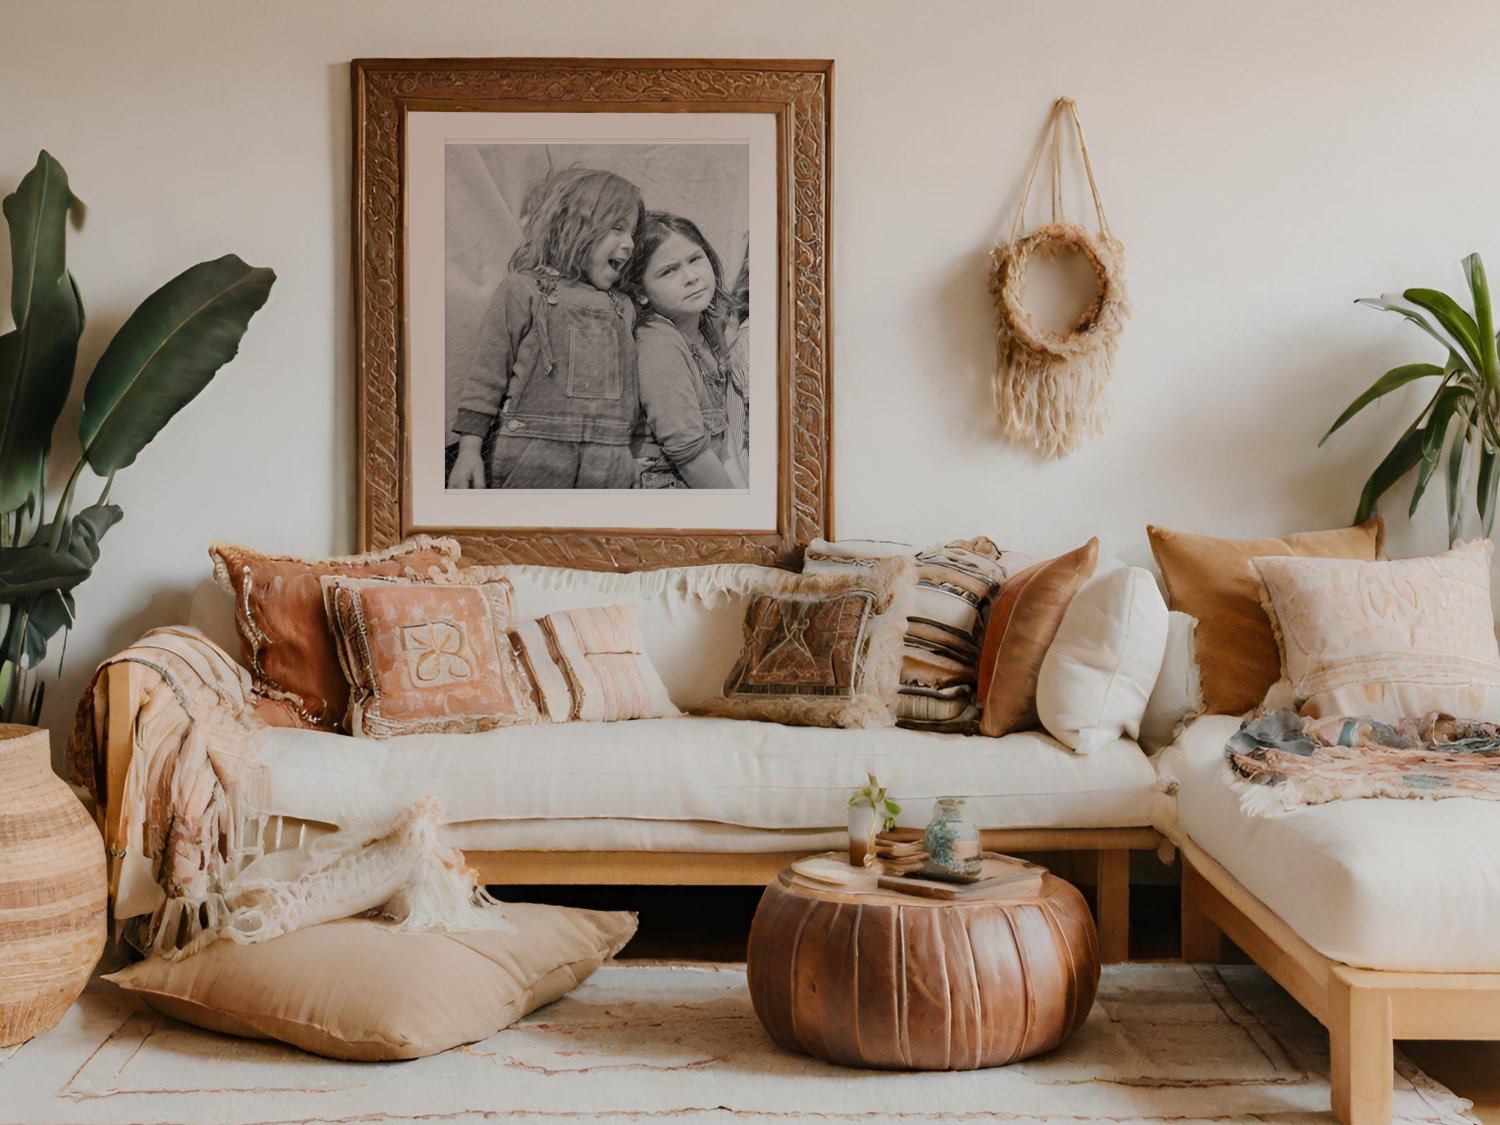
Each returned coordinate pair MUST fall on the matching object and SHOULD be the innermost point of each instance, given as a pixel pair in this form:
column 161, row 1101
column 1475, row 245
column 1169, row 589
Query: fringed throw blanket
column 191, row 841
column 1280, row 761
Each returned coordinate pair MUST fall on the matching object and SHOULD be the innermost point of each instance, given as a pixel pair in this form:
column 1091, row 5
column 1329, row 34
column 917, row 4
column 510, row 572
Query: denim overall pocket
column 594, row 367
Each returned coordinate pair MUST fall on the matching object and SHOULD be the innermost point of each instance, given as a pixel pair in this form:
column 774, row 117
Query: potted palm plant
column 162, row 356
column 1457, row 427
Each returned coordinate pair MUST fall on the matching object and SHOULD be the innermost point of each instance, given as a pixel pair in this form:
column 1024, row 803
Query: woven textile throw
column 1281, row 761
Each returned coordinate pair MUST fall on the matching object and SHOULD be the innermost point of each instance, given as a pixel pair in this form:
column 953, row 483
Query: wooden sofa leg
column 1361, row 1052
column 1202, row 941
column 1112, row 885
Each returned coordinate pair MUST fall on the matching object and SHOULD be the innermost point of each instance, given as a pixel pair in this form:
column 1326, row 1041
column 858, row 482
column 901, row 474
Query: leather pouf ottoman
column 889, row 980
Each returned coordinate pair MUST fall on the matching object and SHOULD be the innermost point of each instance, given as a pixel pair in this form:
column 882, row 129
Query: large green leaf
column 164, row 355
column 37, row 356
column 1402, row 458
column 1393, row 379
column 1484, row 317
column 35, row 568
column 1454, row 319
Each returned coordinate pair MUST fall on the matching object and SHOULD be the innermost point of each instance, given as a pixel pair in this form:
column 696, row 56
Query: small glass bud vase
column 951, row 843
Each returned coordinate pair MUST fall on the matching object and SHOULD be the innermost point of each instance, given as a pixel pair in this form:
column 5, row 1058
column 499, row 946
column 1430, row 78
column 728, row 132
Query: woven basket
column 52, row 889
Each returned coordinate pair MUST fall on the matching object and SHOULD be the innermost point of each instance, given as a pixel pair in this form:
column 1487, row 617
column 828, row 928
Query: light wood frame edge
column 1364, row 1010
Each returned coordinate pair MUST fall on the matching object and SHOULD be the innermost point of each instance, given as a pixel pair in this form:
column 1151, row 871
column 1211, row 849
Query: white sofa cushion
column 731, row 771
column 1101, row 665
column 1376, row 883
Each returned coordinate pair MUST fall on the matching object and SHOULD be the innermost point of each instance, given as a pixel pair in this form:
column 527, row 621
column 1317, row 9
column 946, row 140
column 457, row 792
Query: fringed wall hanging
column 1049, row 386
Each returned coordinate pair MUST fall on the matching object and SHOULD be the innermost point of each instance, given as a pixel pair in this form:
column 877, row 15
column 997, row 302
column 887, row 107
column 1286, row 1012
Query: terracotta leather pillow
column 1023, row 622
column 285, row 640
column 427, row 657
column 1214, row 580
column 357, row 990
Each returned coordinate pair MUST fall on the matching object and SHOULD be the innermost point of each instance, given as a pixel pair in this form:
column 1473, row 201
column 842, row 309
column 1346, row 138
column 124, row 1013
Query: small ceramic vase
column 861, row 832
column 951, row 843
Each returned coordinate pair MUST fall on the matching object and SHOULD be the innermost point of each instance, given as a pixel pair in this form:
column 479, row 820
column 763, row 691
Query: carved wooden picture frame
column 413, row 119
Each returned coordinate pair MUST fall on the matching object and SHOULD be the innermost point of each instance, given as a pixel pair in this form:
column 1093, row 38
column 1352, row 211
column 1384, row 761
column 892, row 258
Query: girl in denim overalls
column 554, row 376
column 687, row 384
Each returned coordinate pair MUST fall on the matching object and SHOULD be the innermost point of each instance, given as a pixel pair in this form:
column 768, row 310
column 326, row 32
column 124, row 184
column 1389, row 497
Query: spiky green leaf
column 1396, row 303
column 1394, row 379
column 1484, row 316
column 166, row 353
column 1448, row 402
column 1402, row 458
column 1455, row 321
column 1488, row 480
column 1455, row 474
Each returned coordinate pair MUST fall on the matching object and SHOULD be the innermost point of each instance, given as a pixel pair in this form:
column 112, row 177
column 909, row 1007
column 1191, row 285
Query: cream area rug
column 644, row 1042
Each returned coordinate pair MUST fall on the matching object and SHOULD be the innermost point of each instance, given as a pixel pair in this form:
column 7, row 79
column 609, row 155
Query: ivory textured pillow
column 1390, row 640
column 590, row 665
column 285, row 639
column 823, row 649
column 1177, row 694
column 1100, row 668
column 356, row 990
column 1213, row 580
column 1026, row 617
column 423, row 657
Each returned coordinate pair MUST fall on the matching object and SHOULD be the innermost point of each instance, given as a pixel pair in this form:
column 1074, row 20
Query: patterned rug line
column 1165, row 1043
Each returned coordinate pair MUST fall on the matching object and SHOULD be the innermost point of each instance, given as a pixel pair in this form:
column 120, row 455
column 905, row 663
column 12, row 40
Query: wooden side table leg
column 1361, row 1052
column 1112, row 885
column 1202, row 941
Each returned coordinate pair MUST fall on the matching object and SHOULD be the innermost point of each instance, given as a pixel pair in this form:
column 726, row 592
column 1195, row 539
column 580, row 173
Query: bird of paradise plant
column 162, row 356
column 1457, row 427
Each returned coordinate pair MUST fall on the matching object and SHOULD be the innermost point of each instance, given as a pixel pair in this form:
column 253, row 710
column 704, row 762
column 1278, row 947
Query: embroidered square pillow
column 1213, row 580
column 1387, row 640
column 823, row 649
column 1023, row 623
column 425, row 657
column 590, row 665
column 285, row 639
column 955, row 586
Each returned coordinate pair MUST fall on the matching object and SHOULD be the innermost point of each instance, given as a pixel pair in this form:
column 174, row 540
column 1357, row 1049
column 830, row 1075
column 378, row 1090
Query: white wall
column 1264, row 164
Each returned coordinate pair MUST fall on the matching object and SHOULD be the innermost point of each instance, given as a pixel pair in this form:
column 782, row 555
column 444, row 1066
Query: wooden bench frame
column 1364, row 1010
column 1111, row 846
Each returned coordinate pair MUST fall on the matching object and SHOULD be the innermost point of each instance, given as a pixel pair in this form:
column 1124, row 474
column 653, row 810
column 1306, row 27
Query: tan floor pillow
column 357, row 990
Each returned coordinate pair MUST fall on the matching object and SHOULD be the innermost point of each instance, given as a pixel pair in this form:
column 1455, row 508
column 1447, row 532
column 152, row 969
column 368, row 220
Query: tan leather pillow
column 356, row 990
column 1023, row 623
column 285, row 640
column 427, row 657
column 1214, row 580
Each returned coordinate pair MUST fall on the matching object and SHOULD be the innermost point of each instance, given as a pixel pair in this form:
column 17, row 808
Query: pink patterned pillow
column 590, row 665
column 427, row 657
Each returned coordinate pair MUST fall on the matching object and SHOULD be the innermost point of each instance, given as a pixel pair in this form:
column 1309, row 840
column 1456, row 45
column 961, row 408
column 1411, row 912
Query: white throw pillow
column 1178, row 694
column 1099, row 672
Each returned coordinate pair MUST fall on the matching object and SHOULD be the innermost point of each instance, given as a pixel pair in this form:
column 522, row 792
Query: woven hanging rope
column 1049, row 386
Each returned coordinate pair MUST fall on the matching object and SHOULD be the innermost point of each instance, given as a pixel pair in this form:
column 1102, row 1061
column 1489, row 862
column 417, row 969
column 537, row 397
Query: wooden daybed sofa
column 665, row 801
column 1380, row 916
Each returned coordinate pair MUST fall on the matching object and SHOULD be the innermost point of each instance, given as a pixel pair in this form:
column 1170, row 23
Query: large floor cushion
column 1379, row 884
column 730, row 771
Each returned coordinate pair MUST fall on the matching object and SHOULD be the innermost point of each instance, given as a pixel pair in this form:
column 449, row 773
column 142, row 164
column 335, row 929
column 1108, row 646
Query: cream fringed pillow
column 823, row 650
column 1390, row 640
column 356, row 990
column 590, row 665
column 424, row 657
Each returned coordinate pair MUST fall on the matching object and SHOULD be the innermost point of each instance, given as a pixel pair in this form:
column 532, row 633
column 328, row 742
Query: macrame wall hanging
column 1049, row 386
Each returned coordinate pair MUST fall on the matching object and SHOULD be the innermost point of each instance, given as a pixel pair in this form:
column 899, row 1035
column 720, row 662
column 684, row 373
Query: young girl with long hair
column 554, row 377
column 676, row 278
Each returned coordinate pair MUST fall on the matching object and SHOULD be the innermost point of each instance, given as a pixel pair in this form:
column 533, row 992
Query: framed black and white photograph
column 591, row 307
